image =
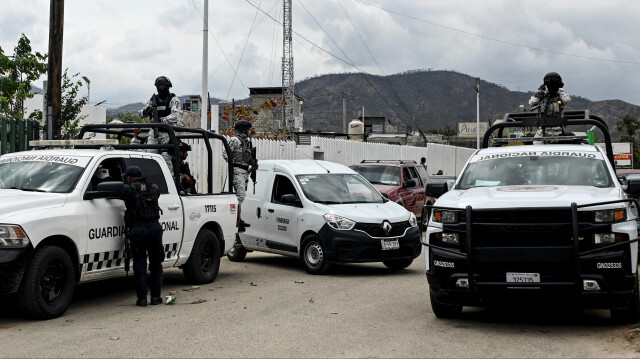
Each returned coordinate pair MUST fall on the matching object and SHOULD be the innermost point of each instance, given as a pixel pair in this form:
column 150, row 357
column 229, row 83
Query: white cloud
column 122, row 46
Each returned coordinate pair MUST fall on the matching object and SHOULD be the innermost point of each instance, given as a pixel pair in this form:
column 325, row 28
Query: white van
column 324, row 212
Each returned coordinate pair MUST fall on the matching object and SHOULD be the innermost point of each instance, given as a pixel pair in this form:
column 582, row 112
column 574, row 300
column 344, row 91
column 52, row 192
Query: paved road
column 268, row 306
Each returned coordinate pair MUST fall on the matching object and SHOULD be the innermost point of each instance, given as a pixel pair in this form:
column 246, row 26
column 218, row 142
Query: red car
column 403, row 182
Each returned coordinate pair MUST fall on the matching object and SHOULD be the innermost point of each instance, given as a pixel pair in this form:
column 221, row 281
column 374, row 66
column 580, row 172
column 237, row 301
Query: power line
column 494, row 39
column 360, row 36
column 235, row 73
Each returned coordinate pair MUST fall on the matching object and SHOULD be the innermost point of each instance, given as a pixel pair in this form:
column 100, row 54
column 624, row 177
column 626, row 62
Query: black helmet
column 163, row 81
column 242, row 125
column 184, row 146
column 553, row 78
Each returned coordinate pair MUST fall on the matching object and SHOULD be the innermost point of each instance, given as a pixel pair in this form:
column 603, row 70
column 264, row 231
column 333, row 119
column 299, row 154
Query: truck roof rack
column 176, row 133
column 533, row 119
column 388, row 161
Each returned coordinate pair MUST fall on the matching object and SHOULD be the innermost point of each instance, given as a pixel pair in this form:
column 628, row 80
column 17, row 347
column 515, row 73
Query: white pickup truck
column 548, row 221
column 61, row 225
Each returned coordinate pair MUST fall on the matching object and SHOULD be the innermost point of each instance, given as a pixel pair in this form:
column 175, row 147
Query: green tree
column 629, row 126
column 71, row 106
column 16, row 74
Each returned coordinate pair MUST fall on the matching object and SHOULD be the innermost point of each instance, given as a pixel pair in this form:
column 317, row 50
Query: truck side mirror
column 633, row 188
column 289, row 199
column 409, row 183
column 436, row 189
column 111, row 189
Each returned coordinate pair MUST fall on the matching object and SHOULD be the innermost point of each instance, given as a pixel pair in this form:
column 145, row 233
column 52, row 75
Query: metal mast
column 287, row 70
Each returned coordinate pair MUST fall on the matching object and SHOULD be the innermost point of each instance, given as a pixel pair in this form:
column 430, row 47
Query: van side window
column 150, row 169
column 281, row 186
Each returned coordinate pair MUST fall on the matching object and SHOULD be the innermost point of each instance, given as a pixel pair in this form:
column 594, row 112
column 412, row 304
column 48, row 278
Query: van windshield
column 338, row 189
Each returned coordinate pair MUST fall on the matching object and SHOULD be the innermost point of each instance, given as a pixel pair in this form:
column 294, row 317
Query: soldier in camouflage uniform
column 243, row 163
column 550, row 100
column 168, row 105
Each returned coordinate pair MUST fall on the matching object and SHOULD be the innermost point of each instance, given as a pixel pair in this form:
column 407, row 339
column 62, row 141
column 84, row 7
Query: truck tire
column 204, row 262
column 444, row 311
column 313, row 256
column 48, row 284
column 237, row 253
column 398, row 264
column 631, row 314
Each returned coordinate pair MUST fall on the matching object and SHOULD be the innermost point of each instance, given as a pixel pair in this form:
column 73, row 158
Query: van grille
column 375, row 229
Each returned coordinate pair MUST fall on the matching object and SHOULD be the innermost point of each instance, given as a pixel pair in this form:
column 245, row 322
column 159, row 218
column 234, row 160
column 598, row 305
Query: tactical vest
column 146, row 206
column 242, row 154
column 164, row 109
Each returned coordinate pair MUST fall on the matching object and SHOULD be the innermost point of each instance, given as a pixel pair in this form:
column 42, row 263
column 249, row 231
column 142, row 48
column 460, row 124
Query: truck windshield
column 536, row 170
column 388, row 175
column 338, row 189
column 39, row 176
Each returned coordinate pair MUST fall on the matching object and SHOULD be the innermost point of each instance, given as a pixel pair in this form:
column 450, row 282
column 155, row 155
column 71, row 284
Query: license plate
column 388, row 244
column 523, row 277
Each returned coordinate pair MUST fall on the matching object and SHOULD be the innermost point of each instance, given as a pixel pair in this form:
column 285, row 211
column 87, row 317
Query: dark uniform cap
column 553, row 77
column 163, row 81
column 184, row 146
column 133, row 171
column 243, row 125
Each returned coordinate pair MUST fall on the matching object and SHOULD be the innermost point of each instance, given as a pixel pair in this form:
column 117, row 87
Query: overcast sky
column 122, row 46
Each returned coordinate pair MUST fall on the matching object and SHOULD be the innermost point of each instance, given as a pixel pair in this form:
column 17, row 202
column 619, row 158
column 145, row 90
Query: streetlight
column 88, row 86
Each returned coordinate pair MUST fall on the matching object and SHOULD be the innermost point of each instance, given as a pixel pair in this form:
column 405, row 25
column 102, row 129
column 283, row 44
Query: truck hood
column 15, row 203
column 527, row 196
column 367, row 212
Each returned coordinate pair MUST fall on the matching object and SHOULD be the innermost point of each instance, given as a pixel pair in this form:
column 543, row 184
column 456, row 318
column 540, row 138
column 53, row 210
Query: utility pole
column 204, row 109
column 54, row 75
column 287, row 70
column 477, row 112
column 344, row 112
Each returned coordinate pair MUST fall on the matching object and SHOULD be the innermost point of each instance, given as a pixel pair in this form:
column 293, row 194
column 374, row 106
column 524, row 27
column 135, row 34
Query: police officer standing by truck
column 145, row 233
column 244, row 163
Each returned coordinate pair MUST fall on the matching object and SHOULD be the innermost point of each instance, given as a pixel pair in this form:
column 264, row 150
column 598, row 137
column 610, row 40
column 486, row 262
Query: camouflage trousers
column 240, row 180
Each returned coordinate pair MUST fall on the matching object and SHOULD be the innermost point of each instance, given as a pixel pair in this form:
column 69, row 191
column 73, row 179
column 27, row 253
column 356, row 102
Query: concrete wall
column 95, row 114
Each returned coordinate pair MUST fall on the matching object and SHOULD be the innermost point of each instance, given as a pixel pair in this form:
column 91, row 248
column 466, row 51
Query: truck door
column 282, row 218
column 105, row 223
column 171, row 217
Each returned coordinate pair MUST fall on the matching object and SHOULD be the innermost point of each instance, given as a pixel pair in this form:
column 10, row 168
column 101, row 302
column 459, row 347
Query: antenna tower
column 287, row 70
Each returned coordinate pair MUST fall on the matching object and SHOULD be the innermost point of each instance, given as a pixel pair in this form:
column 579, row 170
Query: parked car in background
column 403, row 182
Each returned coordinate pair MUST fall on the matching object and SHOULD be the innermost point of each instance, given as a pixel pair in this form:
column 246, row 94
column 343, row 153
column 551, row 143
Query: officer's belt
column 244, row 167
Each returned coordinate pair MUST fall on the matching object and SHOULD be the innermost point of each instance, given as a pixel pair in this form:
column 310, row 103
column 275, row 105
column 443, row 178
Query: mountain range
column 415, row 99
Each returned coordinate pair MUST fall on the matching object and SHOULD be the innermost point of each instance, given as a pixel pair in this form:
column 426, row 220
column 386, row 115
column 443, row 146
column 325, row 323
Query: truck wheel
column 48, row 284
column 631, row 314
column 444, row 311
column 237, row 253
column 204, row 262
column 313, row 255
column 398, row 264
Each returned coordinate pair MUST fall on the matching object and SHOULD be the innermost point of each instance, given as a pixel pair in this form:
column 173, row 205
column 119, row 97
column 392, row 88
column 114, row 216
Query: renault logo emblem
column 386, row 226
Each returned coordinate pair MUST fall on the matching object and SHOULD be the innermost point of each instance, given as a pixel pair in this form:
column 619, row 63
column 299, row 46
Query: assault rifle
column 253, row 168
column 153, row 116
column 127, row 253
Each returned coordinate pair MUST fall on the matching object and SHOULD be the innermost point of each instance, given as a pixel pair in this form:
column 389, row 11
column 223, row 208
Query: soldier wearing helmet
column 186, row 179
column 168, row 107
column 550, row 98
column 243, row 161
